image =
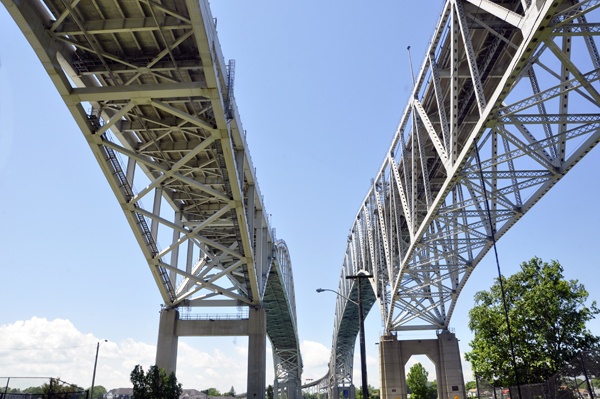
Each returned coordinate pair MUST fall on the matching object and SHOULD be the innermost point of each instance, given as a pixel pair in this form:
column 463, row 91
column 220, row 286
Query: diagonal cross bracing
column 501, row 96
column 148, row 86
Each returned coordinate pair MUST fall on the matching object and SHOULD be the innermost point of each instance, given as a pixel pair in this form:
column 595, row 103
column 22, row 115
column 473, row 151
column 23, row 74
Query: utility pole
column 361, row 321
column 94, row 375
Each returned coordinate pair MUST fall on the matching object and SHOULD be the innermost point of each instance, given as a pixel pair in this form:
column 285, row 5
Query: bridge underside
column 147, row 84
column 506, row 102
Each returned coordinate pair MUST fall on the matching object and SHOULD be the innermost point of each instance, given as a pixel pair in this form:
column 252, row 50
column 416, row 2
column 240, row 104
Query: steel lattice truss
column 154, row 99
column 517, row 79
column 286, row 347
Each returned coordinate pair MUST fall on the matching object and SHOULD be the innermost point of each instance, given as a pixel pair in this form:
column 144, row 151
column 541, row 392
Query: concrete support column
column 291, row 392
column 166, row 350
column 257, row 353
column 451, row 366
column 391, row 369
column 441, row 379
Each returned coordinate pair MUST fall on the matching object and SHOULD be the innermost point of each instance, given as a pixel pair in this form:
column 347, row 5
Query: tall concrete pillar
column 292, row 392
column 391, row 369
column 257, row 353
column 166, row 350
column 454, row 383
column 353, row 392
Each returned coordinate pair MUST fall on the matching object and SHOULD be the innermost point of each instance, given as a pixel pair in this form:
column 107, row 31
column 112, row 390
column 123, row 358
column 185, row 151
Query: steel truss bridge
column 147, row 84
column 518, row 80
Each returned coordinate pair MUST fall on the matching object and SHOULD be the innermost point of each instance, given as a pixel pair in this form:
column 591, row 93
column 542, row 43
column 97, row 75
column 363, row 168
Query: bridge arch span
column 505, row 103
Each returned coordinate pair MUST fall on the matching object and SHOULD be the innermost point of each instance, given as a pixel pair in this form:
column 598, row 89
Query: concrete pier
column 166, row 348
column 257, row 353
column 443, row 352
column 255, row 327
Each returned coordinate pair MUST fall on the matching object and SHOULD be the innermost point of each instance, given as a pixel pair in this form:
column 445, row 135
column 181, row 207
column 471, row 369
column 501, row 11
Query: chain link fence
column 576, row 380
column 39, row 388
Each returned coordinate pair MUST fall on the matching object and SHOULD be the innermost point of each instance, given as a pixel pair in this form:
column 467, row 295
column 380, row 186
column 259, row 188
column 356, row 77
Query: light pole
column 95, row 363
column 361, row 324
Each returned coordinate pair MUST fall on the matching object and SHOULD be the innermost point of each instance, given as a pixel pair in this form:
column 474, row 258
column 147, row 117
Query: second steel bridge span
column 518, row 80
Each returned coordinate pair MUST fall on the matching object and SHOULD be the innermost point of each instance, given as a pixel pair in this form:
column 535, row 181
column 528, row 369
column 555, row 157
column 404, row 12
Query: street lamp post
column 361, row 324
column 95, row 363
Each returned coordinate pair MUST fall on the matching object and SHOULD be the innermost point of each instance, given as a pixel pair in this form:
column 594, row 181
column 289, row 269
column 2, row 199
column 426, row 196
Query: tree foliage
column 432, row 392
column 56, row 386
column 155, row 384
column 358, row 393
column 547, row 316
column 417, row 382
column 470, row 385
column 99, row 392
column 212, row 392
column 270, row 392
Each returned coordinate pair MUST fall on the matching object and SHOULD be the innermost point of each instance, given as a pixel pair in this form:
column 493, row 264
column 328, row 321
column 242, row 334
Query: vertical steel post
column 363, row 353
column 587, row 380
column 6, row 389
column 94, row 375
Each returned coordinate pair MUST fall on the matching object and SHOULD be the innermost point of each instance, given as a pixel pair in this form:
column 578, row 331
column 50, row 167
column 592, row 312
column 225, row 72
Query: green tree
column 56, row 386
column 155, row 384
column 212, row 392
column 231, row 392
column 470, row 385
column 417, row 382
column 99, row 392
column 547, row 315
column 270, row 392
column 432, row 390
column 371, row 388
column 33, row 390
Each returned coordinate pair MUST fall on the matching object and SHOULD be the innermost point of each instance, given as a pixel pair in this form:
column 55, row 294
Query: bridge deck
column 146, row 82
column 518, row 80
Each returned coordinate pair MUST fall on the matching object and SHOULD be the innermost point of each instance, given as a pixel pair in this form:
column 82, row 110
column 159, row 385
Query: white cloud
column 69, row 354
column 73, row 362
column 314, row 354
column 315, row 358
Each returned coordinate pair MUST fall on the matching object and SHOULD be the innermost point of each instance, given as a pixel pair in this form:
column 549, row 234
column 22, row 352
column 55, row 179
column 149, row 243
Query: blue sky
column 320, row 87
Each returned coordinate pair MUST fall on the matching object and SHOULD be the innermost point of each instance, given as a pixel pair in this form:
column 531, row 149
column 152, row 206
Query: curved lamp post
column 95, row 363
column 361, row 321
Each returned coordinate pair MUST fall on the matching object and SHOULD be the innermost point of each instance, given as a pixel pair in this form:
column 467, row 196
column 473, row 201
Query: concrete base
column 166, row 348
column 257, row 353
column 391, row 369
column 171, row 328
column 338, row 392
column 443, row 352
column 450, row 367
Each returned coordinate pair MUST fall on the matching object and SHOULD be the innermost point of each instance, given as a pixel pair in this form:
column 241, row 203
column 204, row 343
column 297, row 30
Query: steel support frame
column 420, row 253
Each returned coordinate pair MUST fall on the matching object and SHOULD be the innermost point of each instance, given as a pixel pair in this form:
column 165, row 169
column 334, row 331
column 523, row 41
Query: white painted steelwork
column 146, row 83
column 519, row 80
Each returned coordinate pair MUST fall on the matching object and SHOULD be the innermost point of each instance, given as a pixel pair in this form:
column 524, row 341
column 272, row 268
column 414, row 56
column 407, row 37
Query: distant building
column 193, row 394
column 127, row 393
column 583, row 393
column 472, row 393
column 119, row 393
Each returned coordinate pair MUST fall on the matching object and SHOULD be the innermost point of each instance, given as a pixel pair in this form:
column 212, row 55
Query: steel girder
column 154, row 99
column 519, row 80
column 280, row 305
